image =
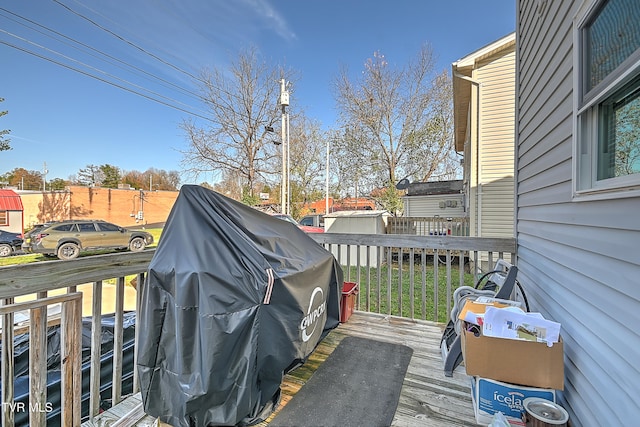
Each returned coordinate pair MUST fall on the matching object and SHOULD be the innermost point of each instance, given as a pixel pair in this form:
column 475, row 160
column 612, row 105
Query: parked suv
column 67, row 238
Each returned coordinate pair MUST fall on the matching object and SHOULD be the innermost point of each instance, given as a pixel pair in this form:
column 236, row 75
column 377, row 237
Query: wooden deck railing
column 406, row 275
column 413, row 276
column 35, row 285
column 428, row 225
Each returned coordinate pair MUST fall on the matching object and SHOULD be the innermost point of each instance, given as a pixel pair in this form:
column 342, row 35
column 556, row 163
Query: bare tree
column 242, row 102
column 396, row 123
column 307, row 153
column 159, row 179
column 230, row 185
column 356, row 172
column 152, row 179
column 135, row 179
column 432, row 154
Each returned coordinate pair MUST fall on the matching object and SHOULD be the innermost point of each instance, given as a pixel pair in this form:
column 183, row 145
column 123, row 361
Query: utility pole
column 284, row 188
column 288, row 169
column 140, row 215
column 326, row 183
column 44, row 177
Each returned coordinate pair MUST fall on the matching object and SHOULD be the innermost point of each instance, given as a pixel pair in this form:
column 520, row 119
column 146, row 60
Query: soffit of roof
column 462, row 87
column 461, row 104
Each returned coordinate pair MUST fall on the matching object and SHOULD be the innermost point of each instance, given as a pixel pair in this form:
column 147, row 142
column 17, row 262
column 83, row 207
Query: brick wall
column 119, row 206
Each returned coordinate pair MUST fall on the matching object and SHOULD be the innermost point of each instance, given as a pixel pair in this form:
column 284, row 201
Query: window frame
column 66, row 228
column 87, row 227
column 586, row 116
column 107, row 226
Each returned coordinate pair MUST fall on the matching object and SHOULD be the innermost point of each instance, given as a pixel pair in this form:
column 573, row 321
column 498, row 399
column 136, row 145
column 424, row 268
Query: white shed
column 357, row 222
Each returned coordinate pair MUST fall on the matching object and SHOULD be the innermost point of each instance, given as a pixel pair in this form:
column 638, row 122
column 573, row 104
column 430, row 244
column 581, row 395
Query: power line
column 127, row 41
column 103, row 80
column 90, row 67
column 200, row 98
column 111, row 57
column 132, row 44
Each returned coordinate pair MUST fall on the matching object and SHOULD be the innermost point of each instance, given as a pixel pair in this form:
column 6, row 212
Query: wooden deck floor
column 428, row 398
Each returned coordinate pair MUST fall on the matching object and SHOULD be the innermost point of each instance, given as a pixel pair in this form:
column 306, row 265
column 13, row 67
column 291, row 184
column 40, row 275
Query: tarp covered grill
column 233, row 299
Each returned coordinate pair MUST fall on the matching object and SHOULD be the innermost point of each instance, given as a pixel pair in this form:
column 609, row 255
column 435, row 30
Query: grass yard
column 410, row 294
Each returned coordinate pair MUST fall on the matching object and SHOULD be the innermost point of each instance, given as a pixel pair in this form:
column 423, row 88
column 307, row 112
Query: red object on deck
column 348, row 302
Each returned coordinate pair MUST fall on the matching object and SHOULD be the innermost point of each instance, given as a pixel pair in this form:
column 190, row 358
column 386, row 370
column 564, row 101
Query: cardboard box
column 526, row 363
column 490, row 396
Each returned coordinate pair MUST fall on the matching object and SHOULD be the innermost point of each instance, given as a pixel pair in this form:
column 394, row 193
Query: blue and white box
column 491, row 396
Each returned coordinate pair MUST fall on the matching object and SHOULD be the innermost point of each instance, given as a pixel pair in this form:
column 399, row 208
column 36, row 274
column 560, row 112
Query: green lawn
column 397, row 298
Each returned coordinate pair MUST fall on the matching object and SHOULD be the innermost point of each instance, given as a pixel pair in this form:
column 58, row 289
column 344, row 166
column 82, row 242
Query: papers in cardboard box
column 473, row 310
column 516, row 324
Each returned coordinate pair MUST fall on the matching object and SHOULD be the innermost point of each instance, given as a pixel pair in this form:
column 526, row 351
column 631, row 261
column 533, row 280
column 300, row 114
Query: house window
column 607, row 115
column 4, row 218
column 619, row 142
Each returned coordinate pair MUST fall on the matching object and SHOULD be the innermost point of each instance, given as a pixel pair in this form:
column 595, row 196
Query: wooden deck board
column 428, row 398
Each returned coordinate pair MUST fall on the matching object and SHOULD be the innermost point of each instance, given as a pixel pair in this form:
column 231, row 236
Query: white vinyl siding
column 578, row 262
column 429, row 206
column 496, row 148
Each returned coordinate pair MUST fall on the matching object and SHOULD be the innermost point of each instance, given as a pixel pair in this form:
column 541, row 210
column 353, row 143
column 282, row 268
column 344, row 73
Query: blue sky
column 70, row 120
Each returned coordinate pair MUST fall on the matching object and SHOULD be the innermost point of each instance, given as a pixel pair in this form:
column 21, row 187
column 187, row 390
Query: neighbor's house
column 578, row 194
column 335, row 205
column 435, row 198
column 433, row 207
column 11, row 211
column 484, row 101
